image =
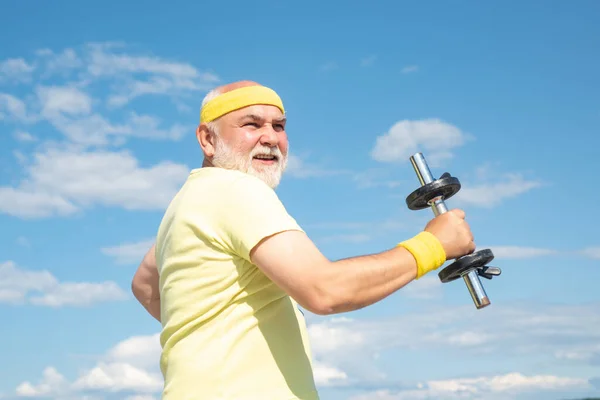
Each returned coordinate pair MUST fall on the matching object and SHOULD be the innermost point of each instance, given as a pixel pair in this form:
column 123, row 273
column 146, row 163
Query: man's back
column 228, row 331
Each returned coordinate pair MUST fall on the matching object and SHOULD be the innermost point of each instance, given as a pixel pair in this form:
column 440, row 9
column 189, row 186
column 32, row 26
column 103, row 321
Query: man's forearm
column 322, row 286
column 153, row 308
column 145, row 284
column 353, row 283
column 149, row 299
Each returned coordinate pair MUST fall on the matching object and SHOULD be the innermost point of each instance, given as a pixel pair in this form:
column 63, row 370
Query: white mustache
column 267, row 151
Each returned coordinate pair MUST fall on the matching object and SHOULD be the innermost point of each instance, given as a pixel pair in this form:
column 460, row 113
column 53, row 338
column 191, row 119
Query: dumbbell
column 432, row 193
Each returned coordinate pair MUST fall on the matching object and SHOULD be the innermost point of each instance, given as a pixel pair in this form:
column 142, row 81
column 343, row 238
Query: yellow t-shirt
column 229, row 332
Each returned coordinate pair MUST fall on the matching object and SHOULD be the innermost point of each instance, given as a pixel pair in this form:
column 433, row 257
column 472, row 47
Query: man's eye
column 254, row 124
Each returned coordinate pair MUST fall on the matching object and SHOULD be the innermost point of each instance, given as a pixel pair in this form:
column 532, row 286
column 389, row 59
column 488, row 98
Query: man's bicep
column 146, row 275
column 293, row 262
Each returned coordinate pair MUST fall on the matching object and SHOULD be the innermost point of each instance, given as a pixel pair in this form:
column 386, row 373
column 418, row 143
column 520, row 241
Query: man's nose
column 269, row 136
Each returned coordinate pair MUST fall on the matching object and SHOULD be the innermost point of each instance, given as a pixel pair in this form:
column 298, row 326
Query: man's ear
column 206, row 140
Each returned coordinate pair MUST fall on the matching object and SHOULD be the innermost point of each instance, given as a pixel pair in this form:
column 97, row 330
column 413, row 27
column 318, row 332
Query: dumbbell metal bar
column 438, row 207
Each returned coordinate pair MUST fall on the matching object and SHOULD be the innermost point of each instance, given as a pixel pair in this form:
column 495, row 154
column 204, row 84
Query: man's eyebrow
column 255, row 117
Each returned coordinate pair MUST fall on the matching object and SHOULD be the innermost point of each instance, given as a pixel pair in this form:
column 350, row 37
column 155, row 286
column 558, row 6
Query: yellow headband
column 239, row 98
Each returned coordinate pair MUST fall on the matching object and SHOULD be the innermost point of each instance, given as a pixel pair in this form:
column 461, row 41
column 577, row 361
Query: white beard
column 227, row 158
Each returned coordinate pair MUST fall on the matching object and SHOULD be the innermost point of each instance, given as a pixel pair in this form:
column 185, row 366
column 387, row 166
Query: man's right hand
column 453, row 232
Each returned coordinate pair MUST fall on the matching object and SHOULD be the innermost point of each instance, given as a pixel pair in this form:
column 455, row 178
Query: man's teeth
column 265, row 157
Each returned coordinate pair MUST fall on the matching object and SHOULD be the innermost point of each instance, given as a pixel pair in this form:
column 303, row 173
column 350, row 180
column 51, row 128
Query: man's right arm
column 322, row 286
column 144, row 284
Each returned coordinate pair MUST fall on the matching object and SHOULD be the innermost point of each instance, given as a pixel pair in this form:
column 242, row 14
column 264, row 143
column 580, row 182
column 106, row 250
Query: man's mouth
column 265, row 157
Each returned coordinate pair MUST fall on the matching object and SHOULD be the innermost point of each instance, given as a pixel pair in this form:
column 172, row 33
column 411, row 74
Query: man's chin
column 270, row 174
column 271, row 178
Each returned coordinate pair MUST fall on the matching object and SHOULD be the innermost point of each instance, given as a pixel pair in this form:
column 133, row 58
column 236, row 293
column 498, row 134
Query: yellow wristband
column 427, row 251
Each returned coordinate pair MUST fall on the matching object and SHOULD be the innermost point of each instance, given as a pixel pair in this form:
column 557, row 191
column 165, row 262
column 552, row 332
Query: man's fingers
column 459, row 213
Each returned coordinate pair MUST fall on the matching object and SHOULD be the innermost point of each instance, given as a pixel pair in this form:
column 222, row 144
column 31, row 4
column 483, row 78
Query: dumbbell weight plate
column 446, row 186
column 464, row 264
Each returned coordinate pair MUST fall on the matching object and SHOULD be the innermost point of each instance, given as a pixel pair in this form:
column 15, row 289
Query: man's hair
column 210, row 95
column 211, row 125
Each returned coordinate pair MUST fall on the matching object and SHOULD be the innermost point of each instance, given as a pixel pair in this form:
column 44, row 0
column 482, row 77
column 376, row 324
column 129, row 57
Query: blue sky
column 98, row 105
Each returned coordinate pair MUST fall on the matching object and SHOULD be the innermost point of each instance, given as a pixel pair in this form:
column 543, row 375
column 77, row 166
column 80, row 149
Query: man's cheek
column 283, row 146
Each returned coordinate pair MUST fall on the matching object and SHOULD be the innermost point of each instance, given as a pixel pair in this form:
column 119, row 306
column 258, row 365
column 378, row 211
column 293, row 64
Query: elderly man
column 230, row 266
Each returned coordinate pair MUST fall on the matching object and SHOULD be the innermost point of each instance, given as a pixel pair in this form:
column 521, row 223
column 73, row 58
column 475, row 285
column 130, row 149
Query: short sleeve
column 251, row 211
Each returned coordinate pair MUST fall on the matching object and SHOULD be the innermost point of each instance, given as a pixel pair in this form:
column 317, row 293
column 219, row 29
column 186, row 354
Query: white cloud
column 78, row 294
column 63, row 178
column 130, row 366
column 346, row 351
column 129, row 253
column 16, row 283
column 20, row 286
column 588, row 353
column 118, row 377
column 109, row 178
column 427, row 287
column 437, row 141
column 132, row 74
column 340, row 352
column 95, row 130
column 57, row 100
column 58, row 63
column 51, row 384
column 479, row 388
column 147, row 126
column 15, row 70
column 335, row 335
column 27, row 203
column 12, row 108
column 73, row 109
column 516, row 381
column 326, row 375
column 139, row 351
column 491, row 194
column 69, row 110
column 23, row 136
column 592, row 252
column 519, row 252
column 61, row 182
column 410, row 69
column 433, row 137
column 105, row 60
column 372, row 178
column 144, row 74
column 297, row 167
column 558, row 332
